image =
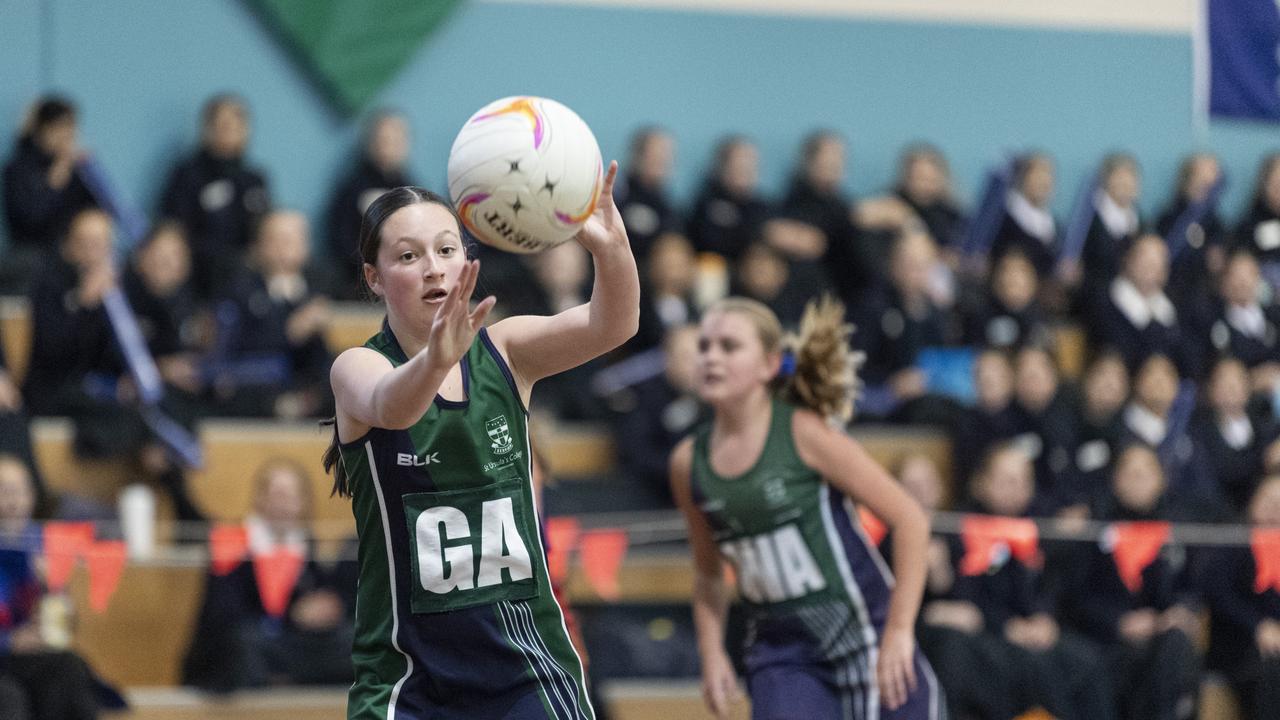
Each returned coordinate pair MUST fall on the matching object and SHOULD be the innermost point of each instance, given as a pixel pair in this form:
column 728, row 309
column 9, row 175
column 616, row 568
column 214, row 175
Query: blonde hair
column 825, row 373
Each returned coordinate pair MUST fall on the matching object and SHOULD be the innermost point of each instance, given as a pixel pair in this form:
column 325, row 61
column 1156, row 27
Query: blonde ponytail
column 819, row 371
column 825, row 375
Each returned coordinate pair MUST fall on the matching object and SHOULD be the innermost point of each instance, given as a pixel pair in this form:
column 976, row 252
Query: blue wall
column 141, row 68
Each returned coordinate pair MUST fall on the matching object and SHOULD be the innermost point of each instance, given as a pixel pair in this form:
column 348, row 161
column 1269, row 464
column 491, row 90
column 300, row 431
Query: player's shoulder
column 358, row 362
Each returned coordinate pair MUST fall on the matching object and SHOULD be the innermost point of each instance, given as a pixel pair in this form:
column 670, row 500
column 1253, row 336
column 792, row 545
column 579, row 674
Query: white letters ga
column 444, row 569
column 774, row 566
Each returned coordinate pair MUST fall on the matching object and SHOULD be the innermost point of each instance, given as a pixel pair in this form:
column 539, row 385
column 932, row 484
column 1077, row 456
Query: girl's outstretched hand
column 455, row 325
column 895, row 670
column 604, row 229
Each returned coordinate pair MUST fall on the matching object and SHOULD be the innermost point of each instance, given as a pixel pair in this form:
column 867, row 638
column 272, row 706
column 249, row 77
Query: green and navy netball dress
column 816, row 590
column 454, row 612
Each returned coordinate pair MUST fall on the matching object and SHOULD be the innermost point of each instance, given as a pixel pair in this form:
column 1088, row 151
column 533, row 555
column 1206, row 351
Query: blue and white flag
column 1239, row 59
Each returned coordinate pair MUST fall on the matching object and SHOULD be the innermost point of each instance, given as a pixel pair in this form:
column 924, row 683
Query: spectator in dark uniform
column 563, row 280
column 823, row 252
column 653, row 414
column 1011, row 316
column 1197, row 256
column 1245, row 328
column 667, row 300
column 1099, row 431
column 158, row 285
column 729, row 212
column 1051, row 668
column 1244, row 634
column 273, row 313
column 1259, row 231
column 993, row 419
column 380, row 168
column 236, row 643
column 1147, row 633
column 1148, row 420
column 1137, row 318
column 40, row 679
column 761, row 274
column 217, row 196
column 895, row 324
column 15, row 432
column 1115, row 225
column 1028, row 224
column 76, row 369
column 42, row 190
column 1046, row 425
column 642, row 197
column 1233, row 439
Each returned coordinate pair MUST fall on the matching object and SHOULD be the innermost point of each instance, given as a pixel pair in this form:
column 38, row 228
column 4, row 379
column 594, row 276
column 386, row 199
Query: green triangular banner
column 353, row 48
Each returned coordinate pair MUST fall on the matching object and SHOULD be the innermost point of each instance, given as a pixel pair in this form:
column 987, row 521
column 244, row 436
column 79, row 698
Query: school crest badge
column 499, row 435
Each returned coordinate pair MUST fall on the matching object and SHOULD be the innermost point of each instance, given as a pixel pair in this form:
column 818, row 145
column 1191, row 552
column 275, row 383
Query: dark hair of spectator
column 49, row 110
column 370, row 241
column 814, row 141
column 217, row 103
column 641, row 137
column 1115, row 161
column 725, row 147
column 1185, row 170
column 159, row 228
column 1025, row 163
column 262, row 479
column 916, row 152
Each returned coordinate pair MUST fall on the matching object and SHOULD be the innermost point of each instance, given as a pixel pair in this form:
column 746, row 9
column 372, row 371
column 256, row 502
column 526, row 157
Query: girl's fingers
column 606, row 192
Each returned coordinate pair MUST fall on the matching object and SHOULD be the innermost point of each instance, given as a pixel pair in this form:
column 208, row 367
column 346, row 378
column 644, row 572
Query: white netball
column 525, row 174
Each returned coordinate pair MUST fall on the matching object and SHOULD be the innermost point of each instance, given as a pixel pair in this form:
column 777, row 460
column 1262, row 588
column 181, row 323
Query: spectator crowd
column 1108, row 365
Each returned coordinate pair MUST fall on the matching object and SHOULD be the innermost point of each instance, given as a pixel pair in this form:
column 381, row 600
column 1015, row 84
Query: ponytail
column 824, row 371
column 333, row 464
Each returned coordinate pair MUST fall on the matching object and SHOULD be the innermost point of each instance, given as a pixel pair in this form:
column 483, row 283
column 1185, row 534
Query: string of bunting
column 601, row 543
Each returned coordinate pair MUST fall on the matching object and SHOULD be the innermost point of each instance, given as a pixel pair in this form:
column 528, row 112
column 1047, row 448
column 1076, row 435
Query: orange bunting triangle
column 64, row 544
column 227, row 547
column 602, row 554
column 277, row 573
column 982, row 534
column 872, row 525
column 1136, row 546
column 562, row 537
column 1266, row 558
column 106, row 564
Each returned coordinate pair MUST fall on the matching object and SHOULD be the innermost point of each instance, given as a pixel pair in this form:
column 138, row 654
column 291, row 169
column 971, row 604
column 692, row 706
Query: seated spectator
column 1028, row 224
column 236, row 644
column 642, row 196
column 1147, row 633
column 1045, row 422
column 380, row 167
column 667, row 300
column 1115, row 225
column 1148, row 419
column 1259, row 231
column 1048, row 666
column 1137, row 319
column 272, row 313
column 1099, row 431
column 40, row 678
column 1198, row 254
column 823, row 252
column 217, row 196
column 1011, row 316
column 729, row 212
column 993, row 419
column 15, row 435
column 42, row 190
column 1232, row 439
column 894, row 325
column 1244, row 633
column 1245, row 328
column 563, row 277
column 654, row 413
column 922, row 195
column 761, row 275
column 158, row 286
column 76, row 368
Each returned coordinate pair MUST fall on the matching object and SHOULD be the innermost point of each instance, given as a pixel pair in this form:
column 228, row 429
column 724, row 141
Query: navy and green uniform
column 454, row 612
column 816, row 590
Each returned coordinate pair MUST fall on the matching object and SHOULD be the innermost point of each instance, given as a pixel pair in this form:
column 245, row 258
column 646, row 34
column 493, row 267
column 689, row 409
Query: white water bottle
column 137, row 507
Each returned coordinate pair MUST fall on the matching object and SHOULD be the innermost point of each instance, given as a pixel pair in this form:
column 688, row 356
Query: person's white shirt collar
column 1247, row 319
column 1036, row 222
column 1141, row 309
column 1120, row 222
column 1145, row 424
